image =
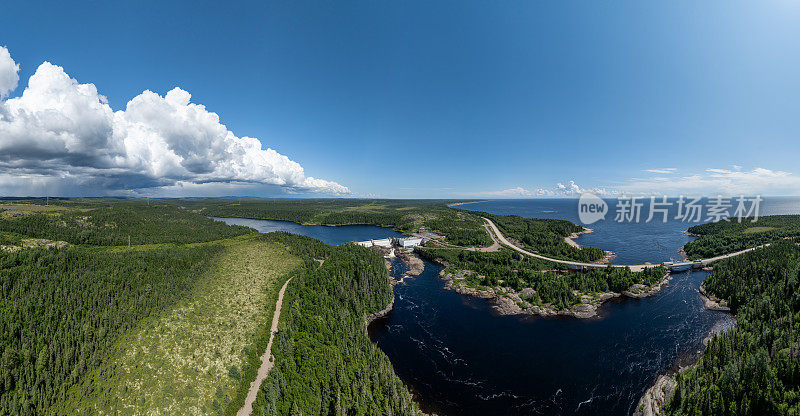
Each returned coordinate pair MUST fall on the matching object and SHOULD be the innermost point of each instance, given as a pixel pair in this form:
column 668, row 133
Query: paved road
column 266, row 364
column 494, row 247
column 498, row 237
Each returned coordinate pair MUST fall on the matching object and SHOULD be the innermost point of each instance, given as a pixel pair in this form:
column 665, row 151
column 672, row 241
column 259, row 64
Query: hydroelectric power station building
column 406, row 242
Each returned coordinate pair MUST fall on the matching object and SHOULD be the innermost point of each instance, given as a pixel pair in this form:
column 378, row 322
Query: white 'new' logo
column 591, row 208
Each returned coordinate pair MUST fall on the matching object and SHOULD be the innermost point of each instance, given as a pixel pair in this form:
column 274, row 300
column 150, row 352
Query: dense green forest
column 62, row 310
column 114, row 223
column 545, row 236
column 324, row 362
column 753, row 369
column 724, row 237
column 382, row 212
column 208, row 338
column 511, row 269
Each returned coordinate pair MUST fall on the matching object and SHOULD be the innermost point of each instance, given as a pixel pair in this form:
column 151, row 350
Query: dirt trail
column 266, row 363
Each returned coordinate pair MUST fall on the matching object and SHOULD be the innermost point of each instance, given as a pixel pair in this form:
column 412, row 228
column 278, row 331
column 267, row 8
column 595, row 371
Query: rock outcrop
column 507, row 301
column 380, row 314
column 711, row 302
column 656, row 396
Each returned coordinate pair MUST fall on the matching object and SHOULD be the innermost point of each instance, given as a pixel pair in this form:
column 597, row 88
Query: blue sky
column 433, row 99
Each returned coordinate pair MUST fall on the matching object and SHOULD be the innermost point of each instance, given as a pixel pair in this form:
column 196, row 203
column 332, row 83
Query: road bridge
column 498, row 237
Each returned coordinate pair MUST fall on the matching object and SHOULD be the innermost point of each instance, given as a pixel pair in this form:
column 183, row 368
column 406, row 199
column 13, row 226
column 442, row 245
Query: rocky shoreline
column 507, row 301
column 455, row 204
column 571, row 239
column 641, row 291
column 610, row 255
column 380, row 314
column 415, row 265
column 660, row 393
column 712, row 302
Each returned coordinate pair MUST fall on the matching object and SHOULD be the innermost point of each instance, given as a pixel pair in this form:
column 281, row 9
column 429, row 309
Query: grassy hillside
column 191, row 358
column 62, row 312
column 176, row 322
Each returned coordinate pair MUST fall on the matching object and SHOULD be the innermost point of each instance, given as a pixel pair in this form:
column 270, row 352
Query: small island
column 517, row 284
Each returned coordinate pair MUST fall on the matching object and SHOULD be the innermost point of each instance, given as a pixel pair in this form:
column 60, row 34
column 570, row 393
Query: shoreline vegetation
column 753, row 367
column 546, row 237
column 507, row 301
column 518, row 284
column 570, row 239
column 378, row 315
column 656, row 398
column 324, row 360
column 724, row 237
column 712, row 302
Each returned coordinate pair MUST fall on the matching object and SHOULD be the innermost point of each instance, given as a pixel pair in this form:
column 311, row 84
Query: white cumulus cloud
column 517, row 192
column 709, row 182
column 560, row 190
column 9, row 76
column 63, row 135
column 715, row 181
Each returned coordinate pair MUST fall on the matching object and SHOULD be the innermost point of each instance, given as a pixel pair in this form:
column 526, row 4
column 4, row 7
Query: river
column 459, row 358
column 325, row 233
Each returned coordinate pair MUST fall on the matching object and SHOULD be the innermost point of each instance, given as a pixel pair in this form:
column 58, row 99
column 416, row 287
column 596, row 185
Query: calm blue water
column 331, row 235
column 634, row 243
column 459, row 358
